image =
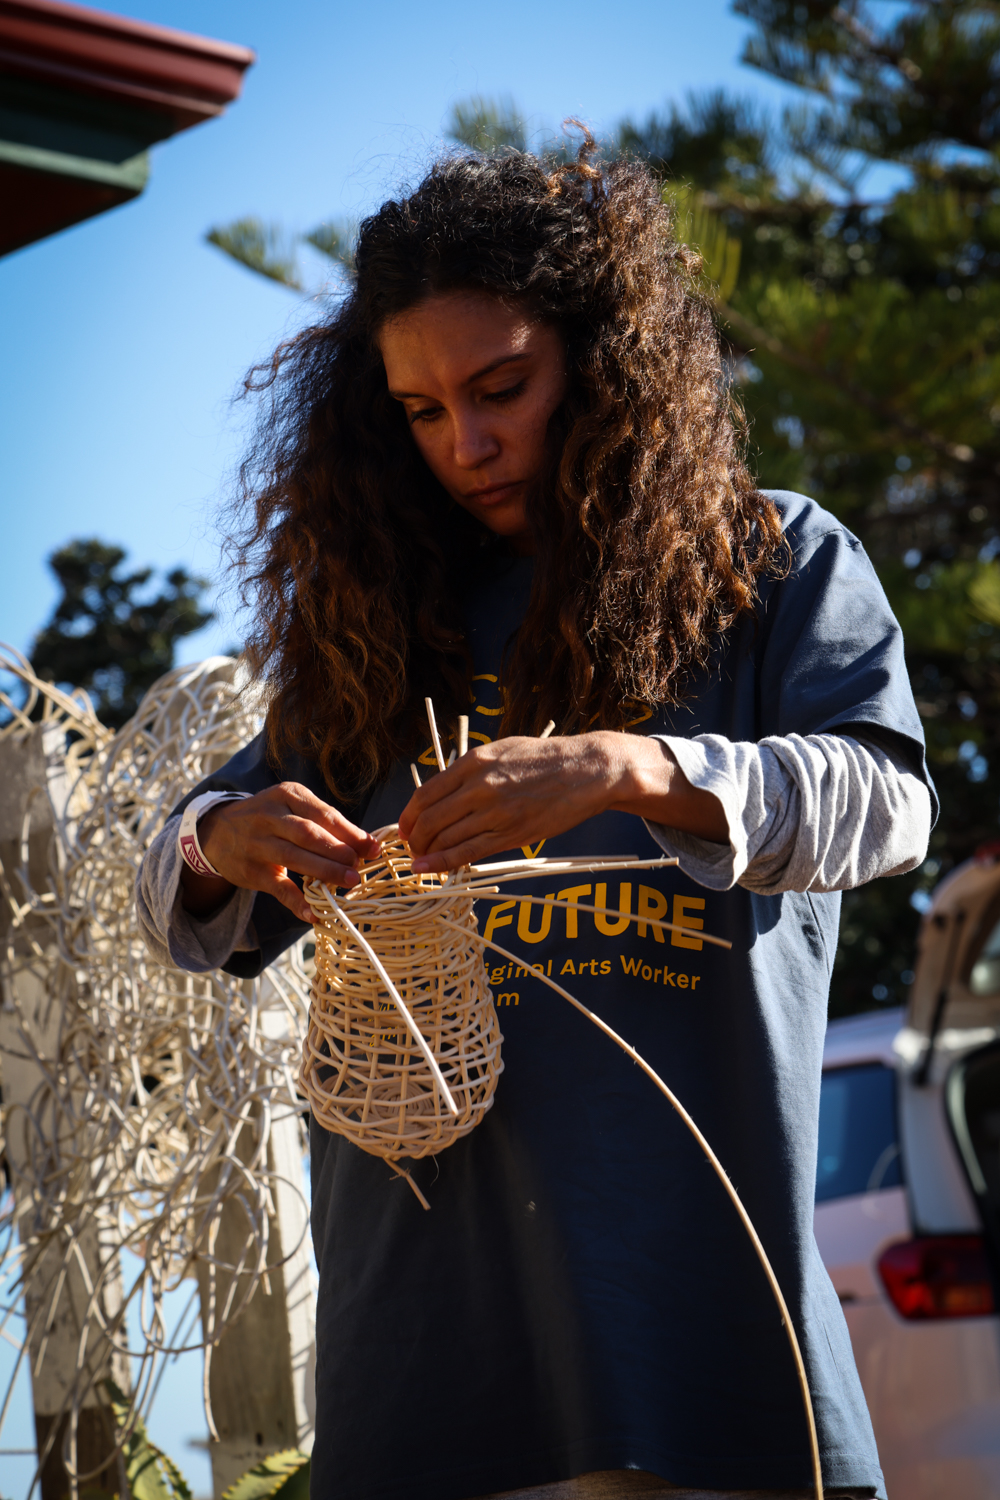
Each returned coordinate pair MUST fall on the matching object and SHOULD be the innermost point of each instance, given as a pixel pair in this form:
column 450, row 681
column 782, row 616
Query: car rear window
column 858, row 1149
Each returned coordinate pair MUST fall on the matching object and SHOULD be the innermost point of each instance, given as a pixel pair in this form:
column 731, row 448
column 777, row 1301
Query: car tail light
column 939, row 1276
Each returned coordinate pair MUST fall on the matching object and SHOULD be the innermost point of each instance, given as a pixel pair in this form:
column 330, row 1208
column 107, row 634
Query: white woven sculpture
column 153, row 1091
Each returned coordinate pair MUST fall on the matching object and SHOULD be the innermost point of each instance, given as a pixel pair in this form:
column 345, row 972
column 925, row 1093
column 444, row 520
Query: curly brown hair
column 650, row 534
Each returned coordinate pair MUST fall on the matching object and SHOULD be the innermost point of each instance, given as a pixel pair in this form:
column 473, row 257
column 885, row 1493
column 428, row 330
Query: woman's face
column 478, row 380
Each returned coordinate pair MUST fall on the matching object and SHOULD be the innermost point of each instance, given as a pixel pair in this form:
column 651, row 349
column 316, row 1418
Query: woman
column 506, row 474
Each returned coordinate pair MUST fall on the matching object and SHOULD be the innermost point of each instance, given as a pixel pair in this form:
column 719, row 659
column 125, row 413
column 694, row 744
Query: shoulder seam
column 812, row 541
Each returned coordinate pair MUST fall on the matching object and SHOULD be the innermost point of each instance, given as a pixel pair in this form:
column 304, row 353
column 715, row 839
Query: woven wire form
column 138, row 1100
column 362, row 1071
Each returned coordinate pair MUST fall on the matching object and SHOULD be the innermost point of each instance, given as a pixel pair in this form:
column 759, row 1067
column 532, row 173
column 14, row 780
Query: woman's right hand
column 254, row 843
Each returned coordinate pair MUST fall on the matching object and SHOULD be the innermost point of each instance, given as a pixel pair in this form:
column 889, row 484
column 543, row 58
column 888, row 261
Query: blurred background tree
column 865, row 337
column 103, row 638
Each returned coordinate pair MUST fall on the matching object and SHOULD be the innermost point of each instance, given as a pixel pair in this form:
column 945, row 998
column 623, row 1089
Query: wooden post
column 263, row 1368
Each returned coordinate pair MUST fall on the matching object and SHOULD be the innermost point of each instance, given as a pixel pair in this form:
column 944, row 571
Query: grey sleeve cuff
column 805, row 813
column 173, row 936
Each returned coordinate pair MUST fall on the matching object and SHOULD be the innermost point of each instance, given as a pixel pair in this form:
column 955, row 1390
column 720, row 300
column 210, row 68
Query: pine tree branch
column 959, row 452
column 782, row 209
column 867, row 39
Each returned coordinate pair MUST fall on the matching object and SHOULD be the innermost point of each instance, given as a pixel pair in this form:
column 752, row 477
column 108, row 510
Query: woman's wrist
column 640, row 772
column 203, row 894
column 647, row 781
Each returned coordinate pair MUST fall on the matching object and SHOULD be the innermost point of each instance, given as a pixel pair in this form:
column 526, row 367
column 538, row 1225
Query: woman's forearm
column 175, row 936
column 202, row 894
column 646, row 780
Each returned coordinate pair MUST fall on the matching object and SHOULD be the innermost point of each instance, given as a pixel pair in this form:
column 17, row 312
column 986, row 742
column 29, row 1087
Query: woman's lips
column 495, row 493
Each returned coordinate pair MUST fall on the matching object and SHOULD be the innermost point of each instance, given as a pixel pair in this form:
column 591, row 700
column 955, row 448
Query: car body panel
column 933, row 1386
column 933, row 1390
column 852, row 1233
column 940, row 1199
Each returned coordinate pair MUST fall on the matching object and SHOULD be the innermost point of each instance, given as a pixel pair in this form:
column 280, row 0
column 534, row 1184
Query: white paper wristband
column 191, row 851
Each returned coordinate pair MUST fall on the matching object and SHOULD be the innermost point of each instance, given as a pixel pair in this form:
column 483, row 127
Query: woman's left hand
column 517, row 791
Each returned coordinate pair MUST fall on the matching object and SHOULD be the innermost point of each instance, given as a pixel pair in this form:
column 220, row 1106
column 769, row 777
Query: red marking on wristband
column 194, row 856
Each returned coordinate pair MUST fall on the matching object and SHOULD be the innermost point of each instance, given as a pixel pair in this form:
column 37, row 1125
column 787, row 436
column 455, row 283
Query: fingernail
column 351, row 877
column 419, row 866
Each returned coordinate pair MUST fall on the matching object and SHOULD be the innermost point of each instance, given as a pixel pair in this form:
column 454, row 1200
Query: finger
column 452, row 795
column 288, row 893
column 481, row 823
column 435, row 823
column 301, row 800
column 487, row 840
column 468, row 853
column 300, row 833
column 444, row 784
column 280, row 885
column 237, row 847
column 310, row 866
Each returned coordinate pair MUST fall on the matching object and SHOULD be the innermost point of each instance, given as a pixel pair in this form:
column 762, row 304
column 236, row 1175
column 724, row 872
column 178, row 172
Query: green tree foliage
column 695, row 225
column 866, row 338
column 264, row 248
column 487, row 124
column 715, row 142
column 103, row 637
column 272, row 251
column 335, row 240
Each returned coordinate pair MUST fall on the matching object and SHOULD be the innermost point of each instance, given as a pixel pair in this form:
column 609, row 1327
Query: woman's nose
column 473, row 442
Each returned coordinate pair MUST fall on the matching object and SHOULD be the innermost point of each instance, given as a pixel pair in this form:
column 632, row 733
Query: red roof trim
column 173, row 72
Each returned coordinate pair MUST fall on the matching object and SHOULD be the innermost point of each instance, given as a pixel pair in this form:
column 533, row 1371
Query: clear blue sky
column 125, row 338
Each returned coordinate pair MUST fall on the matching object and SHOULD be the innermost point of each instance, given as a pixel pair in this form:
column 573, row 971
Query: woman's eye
column 500, row 398
column 426, row 414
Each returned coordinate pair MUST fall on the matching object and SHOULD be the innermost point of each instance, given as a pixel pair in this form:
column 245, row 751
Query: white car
column 908, row 1200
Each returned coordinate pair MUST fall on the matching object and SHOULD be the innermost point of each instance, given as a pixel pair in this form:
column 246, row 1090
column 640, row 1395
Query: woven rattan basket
column 363, row 1070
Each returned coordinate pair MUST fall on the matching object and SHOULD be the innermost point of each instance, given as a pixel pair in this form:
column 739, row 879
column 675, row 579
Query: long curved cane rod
column 397, row 998
column 720, row 1172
